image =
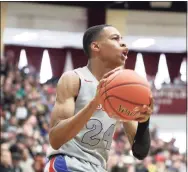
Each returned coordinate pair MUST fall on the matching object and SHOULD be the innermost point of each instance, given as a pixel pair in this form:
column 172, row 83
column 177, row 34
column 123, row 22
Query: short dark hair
column 91, row 35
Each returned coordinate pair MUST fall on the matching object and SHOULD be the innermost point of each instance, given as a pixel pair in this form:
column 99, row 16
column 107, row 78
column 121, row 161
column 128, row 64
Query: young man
column 81, row 132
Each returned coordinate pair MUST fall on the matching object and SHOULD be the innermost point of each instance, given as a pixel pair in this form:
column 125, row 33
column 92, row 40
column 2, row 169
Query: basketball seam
column 113, row 78
column 122, row 85
column 123, row 100
column 113, row 107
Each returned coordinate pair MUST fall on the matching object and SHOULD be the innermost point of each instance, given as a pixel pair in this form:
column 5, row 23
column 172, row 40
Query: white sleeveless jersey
column 93, row 142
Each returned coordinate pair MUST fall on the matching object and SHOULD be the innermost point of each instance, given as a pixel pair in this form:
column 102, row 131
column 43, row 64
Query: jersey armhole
column 75, row 98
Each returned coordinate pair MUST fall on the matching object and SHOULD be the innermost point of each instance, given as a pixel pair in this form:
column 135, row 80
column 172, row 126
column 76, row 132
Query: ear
column 95, row 46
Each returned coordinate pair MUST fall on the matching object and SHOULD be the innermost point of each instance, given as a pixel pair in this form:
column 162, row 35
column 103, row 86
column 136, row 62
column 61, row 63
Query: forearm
column 139, row 138
column 130, row 130
column 67, row 129
column 142, row 141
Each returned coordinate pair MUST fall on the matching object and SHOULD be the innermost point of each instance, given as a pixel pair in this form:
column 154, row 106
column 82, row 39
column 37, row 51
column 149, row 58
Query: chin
column 118, row 64
column 121, row 62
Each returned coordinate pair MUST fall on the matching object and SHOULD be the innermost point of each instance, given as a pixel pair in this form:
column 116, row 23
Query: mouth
column 124, row 55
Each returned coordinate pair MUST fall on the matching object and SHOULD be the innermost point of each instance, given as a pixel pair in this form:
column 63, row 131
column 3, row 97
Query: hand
column 101, row 83
column 144, row 113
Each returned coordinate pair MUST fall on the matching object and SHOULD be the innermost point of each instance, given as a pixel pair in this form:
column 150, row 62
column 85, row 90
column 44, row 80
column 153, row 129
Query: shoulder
column 69, row 76
column 69, row 82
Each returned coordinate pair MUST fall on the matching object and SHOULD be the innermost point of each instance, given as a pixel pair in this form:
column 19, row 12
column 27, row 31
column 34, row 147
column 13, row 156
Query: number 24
column 95, row 128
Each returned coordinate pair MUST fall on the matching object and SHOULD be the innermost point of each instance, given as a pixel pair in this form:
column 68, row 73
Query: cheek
column 112, row 45
column 109, row 49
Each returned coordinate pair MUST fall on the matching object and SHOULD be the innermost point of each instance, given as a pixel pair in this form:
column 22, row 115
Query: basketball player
column 81, row 131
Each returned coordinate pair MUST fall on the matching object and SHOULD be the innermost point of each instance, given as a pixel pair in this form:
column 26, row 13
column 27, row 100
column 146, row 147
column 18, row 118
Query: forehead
column 108, row 31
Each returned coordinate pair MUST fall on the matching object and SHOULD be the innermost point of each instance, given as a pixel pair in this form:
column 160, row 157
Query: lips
column 124, row 54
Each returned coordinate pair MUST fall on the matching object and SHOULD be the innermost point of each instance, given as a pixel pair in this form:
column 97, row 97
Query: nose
column 123, row 44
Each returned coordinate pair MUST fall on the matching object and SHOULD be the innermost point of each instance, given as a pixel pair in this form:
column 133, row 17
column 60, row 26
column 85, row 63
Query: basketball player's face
column 112, row 50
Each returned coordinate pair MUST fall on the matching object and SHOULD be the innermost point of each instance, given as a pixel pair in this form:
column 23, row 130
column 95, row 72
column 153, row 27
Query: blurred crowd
column 163, row 156
column 25, row 113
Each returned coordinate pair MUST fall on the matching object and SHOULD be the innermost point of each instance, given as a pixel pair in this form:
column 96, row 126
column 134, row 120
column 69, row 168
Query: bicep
column 64, row 107
column 62, row 111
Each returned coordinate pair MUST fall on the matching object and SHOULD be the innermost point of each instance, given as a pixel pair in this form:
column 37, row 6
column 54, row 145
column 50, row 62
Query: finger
column 143, row 120
column 151, row 102
column 137, row 108
column 116, row 69
column 142, row 116
column 150, row 111
column 139, row 115
column 147, row 109
column 101, row 83
column 144, row 108
column 111, row 72
column 139, row 119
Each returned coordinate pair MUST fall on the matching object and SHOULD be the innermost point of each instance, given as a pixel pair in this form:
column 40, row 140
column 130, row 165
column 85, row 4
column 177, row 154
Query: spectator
column 27, row 162
column 6, row 164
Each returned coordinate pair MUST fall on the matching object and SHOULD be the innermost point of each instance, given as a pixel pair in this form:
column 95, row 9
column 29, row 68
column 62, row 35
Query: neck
column 99, row 68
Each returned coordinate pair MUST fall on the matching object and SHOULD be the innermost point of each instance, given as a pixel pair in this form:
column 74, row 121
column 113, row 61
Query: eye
column 115, row 38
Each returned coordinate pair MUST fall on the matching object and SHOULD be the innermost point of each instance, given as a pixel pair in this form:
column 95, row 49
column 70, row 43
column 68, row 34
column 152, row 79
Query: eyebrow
column 116, row 35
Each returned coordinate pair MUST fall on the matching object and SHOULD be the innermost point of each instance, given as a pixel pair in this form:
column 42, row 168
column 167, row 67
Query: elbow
column 140, row 151
column 54, row 145
column 54, row 141
column 140, row 156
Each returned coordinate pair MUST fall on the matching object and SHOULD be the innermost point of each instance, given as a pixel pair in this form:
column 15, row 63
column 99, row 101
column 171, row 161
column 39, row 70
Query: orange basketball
column 123, row 92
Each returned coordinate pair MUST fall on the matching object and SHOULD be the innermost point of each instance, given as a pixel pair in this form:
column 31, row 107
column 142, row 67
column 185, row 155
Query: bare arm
column 64, row 124
column 130, row 130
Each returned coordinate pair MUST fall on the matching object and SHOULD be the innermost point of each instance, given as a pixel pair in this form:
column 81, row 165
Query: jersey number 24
column 95, row 127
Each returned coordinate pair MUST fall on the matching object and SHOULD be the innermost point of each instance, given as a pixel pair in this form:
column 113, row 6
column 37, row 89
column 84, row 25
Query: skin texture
column 108, row 54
